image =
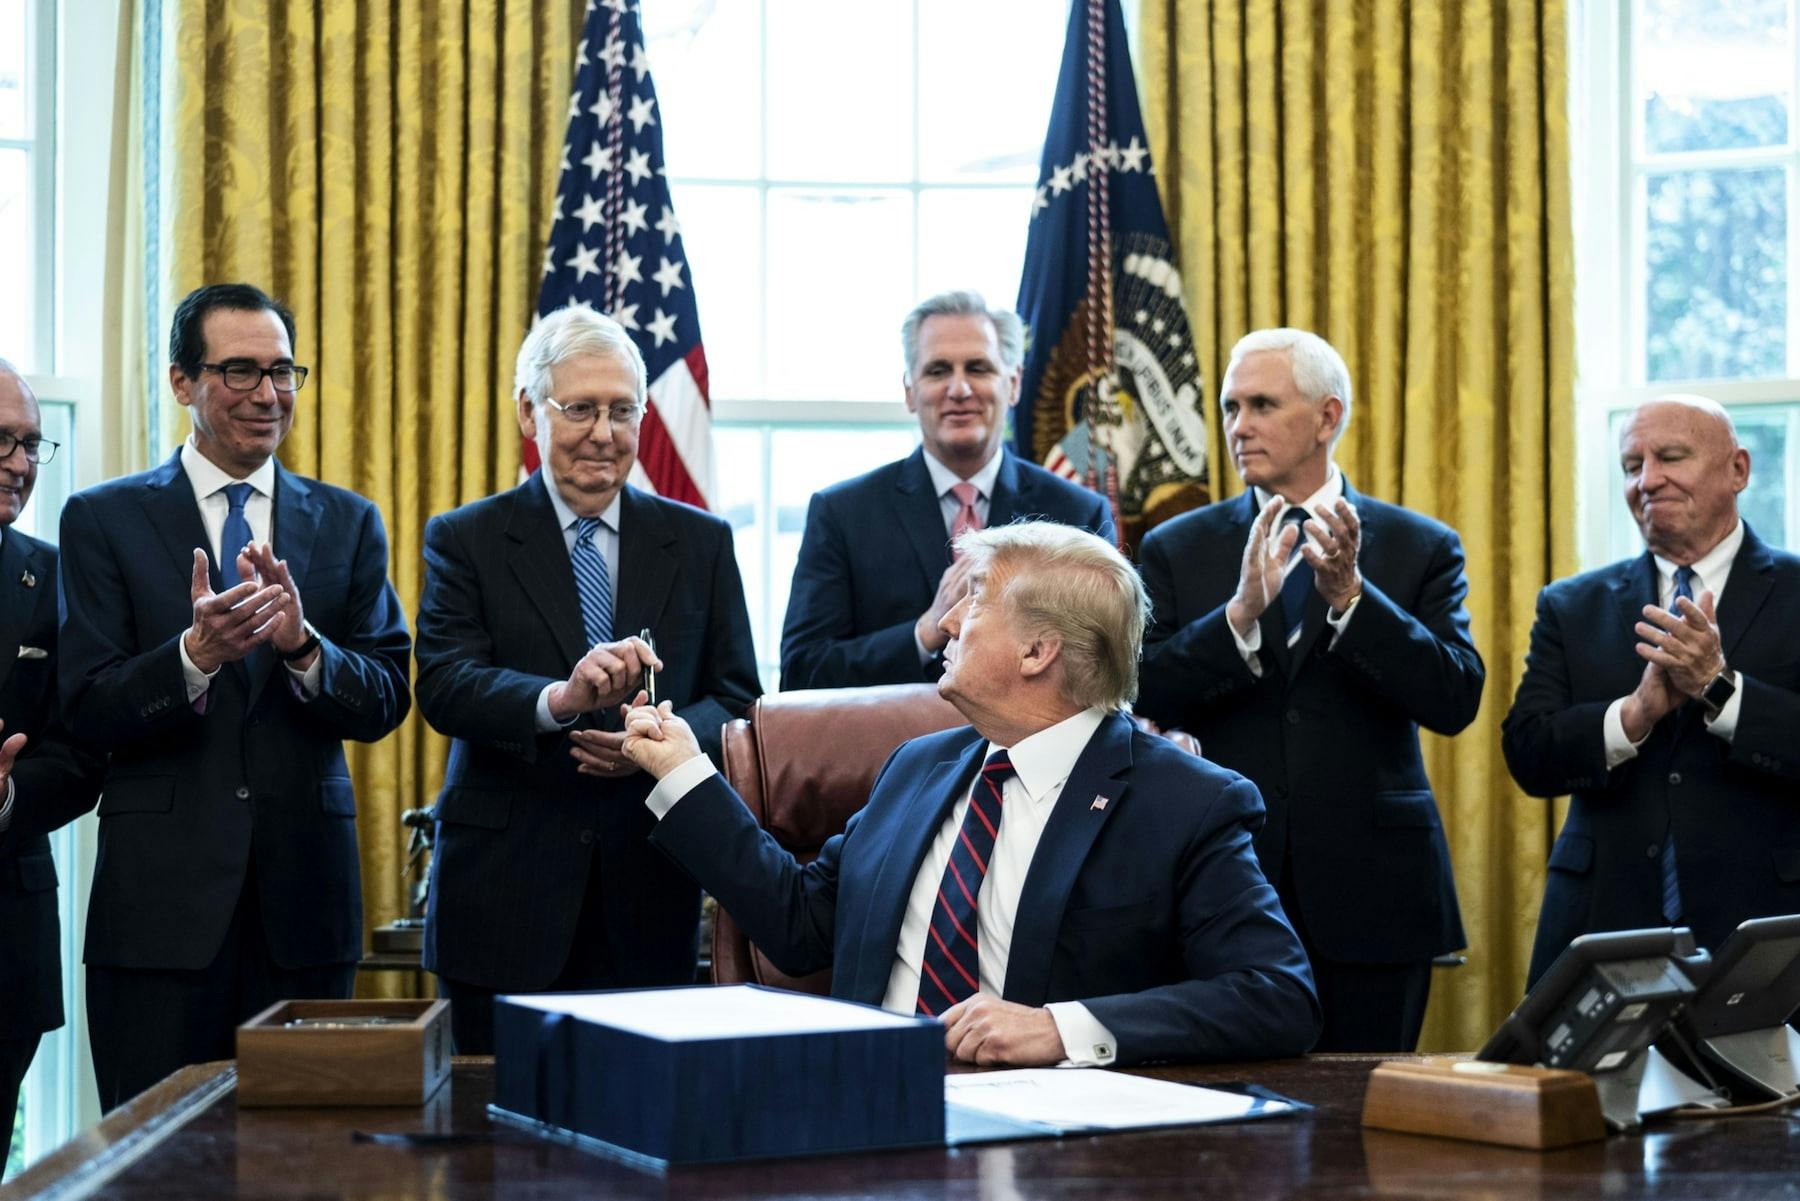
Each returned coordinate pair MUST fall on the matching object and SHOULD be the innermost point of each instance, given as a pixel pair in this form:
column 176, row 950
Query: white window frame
column 1611, row 316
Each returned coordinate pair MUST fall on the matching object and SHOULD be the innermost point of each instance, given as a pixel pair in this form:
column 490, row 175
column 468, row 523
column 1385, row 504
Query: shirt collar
column 1329, row 493
column 943, row 479
column 1044, row 760
column 1711, row 566
column 208, row 477
column 565, row 516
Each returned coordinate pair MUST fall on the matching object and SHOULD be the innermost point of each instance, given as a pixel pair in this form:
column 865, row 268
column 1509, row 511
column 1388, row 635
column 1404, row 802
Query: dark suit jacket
column 1734, row 807
column 1329, row 733
column 192, row 799
column 53, row 782
column 1149, row 909
column 500, row 619
column 870, row 562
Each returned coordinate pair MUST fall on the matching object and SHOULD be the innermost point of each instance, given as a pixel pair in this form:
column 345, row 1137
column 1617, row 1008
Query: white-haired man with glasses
column 227, row 625
column 45, row 782
column 531, row 632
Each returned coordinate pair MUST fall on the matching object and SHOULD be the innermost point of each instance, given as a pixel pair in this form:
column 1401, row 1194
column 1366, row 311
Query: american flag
column 616, row 246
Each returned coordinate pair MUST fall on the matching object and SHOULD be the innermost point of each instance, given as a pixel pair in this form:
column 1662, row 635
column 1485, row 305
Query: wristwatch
column 1719, row 692
column 312, row 644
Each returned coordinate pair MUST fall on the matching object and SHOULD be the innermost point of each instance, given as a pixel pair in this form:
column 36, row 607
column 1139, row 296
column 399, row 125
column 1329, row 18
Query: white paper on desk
column 1094, row 1099
column 738, row 1011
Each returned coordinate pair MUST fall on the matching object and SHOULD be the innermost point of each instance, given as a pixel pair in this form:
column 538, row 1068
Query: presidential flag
column 616, row 246
column 1111, row 379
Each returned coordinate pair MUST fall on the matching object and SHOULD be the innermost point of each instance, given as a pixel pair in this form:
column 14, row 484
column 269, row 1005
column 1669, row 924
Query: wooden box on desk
column 397, row 1063
column 1484, row 1102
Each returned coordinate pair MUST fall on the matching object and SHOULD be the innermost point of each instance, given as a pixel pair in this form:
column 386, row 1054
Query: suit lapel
column 647, row 565
column 1752, row 580
column 17, row 602
column 173, row 513
column 539, row 560
column 917, row 512
column 921, row 816
column 1069, row 835
column 297, row 514
column 1012, row 495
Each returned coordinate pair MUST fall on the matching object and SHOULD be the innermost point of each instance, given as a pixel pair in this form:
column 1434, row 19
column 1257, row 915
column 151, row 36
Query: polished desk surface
column 187, row 1138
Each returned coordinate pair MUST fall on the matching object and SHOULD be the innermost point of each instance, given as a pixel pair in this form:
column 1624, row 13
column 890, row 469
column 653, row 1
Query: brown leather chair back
column 804, row 762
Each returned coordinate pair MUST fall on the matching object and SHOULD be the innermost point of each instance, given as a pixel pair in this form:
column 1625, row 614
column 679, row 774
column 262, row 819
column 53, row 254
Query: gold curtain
column 1395, row 176
column 388, row 171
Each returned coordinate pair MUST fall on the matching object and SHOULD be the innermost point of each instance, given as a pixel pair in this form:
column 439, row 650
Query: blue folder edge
column 963, row 1127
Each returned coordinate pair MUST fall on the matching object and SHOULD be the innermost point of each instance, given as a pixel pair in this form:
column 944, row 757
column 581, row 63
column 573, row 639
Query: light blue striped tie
column 1671, row 883
column 592, row 581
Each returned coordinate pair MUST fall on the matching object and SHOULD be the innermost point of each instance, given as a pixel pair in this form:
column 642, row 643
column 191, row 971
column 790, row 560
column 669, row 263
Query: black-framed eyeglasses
column 37, row 450
column 247, row 377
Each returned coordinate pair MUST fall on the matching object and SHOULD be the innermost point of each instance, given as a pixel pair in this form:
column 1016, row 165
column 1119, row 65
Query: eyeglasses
column 247, row 377
column 37, row 450
column 583, row 413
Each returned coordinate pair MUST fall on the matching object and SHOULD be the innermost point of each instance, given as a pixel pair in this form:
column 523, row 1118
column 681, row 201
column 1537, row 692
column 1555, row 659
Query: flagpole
column 1100, row 281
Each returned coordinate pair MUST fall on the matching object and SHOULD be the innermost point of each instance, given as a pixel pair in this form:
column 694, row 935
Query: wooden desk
column 187, row 1138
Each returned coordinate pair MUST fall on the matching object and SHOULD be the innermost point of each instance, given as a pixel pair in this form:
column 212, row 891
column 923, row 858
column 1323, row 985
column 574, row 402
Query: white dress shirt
column 1041, row 763
column 1711, row 572
column 1329, row 493
column 942, row 481
column 606, row 541
column 209, row 482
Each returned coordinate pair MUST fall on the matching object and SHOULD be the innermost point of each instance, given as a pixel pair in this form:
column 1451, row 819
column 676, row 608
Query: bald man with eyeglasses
column 45, row 781
column 228, row 624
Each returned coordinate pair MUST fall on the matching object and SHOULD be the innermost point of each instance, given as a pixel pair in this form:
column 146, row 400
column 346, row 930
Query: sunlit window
column 24, row 168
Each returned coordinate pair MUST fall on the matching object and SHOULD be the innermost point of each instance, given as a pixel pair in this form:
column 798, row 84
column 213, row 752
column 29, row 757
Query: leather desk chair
column 804, row 762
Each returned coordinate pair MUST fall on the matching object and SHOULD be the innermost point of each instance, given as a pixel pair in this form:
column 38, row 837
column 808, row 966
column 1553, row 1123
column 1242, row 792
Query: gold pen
column 649, row 672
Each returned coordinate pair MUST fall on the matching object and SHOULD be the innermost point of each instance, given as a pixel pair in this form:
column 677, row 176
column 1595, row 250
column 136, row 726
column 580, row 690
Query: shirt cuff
column 1722, row 726
column 1339, row 622
column 925, row 656
column 1248, row 647
column 306, row 683
column 546, row 721
column 1085, row 1041
column 6, row 807
column 197, row 681
column 1619, row 748
column 678, row 783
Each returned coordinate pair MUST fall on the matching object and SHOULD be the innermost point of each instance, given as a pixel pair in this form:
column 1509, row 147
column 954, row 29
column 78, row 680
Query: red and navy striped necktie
column 951, row 969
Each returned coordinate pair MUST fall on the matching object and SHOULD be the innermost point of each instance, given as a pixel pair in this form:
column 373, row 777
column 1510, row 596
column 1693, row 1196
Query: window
column 831, row 165
column 27, row 47
column 1685, row 156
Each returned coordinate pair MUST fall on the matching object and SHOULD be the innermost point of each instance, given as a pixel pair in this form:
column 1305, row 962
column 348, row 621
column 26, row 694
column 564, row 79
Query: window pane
column 708, row 85
column 973, row 238
column 987, row 75
column 1714, row 76
column 840, row 91
column 1716, row 255
column 721, row 230
column 738, row 452
column 840, row 282
column 17, row 325
column 14, row 86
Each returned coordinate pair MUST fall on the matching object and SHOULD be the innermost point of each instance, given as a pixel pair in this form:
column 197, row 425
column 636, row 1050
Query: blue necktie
column 235, row 535
column 592, row 581
column 1299, row 580
column 951, row 969
column 1671, row 883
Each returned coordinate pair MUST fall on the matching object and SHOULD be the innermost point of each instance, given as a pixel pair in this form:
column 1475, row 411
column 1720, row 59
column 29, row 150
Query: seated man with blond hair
column 1053, row 884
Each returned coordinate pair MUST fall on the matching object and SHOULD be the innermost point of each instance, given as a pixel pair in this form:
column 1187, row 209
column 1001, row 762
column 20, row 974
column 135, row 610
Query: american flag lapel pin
column 1099, row 802
column 29, row 580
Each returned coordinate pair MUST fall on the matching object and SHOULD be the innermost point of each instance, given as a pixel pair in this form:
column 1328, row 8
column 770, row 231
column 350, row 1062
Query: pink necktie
column 966, row 517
